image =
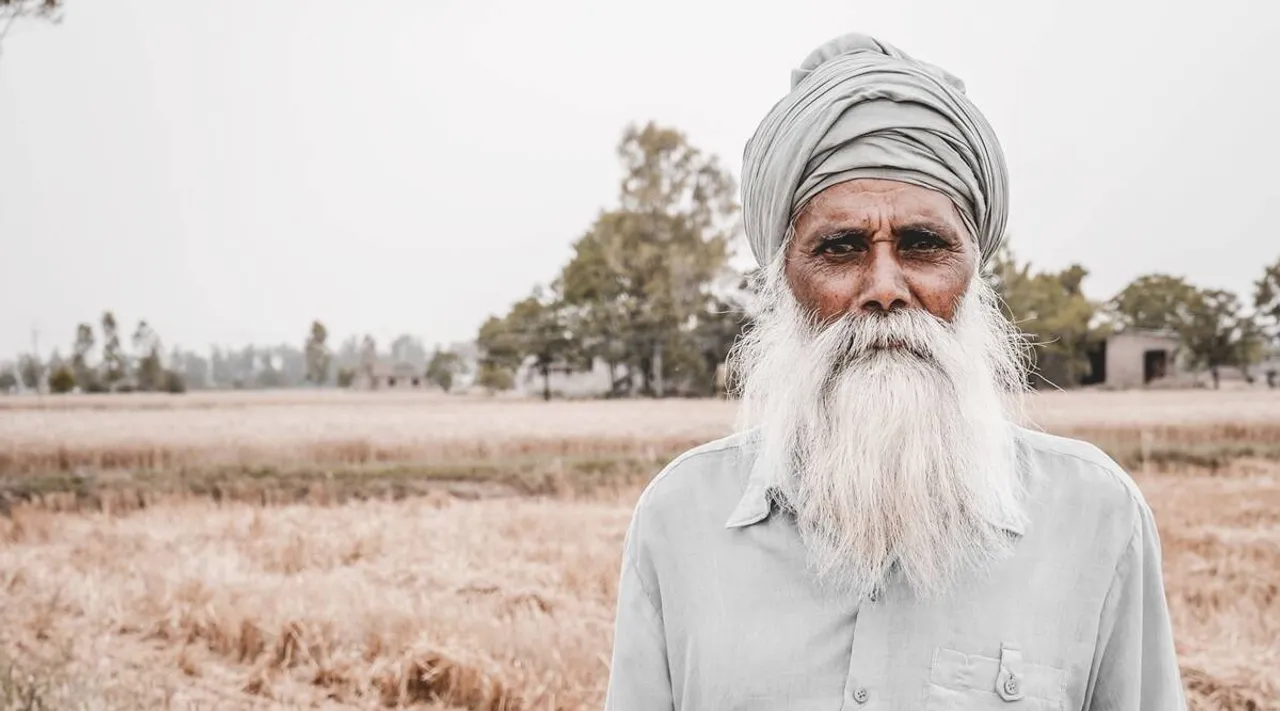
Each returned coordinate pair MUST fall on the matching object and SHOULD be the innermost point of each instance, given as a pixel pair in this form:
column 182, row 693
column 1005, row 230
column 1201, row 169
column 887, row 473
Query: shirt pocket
column 972, row 682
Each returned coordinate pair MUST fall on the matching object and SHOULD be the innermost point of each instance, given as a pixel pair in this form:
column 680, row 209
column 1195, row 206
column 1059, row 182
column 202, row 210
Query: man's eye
column 839, row 246
column 922, row 243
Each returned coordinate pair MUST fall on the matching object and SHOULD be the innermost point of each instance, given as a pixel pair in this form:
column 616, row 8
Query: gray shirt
column 718, row 610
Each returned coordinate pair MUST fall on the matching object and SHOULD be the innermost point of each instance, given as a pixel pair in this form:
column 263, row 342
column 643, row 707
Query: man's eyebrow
column 835, row 230
column 927, row 227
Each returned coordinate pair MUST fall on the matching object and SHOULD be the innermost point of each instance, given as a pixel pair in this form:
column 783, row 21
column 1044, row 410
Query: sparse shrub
column 174, row 383
column 62, row 380
column 493, row 378
column 346, row 376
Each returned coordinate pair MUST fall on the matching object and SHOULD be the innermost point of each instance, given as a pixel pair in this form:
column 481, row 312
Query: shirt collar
column 761, row 494
column 756, row 501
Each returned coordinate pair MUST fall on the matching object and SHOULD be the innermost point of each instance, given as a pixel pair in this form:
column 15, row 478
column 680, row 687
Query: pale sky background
column 230, row 171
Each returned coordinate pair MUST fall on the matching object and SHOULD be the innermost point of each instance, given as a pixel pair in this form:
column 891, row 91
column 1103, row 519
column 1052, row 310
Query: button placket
column 865, row 657
column 1009, row 683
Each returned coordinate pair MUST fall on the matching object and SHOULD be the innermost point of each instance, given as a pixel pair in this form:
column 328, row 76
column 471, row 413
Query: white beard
column 887, row 458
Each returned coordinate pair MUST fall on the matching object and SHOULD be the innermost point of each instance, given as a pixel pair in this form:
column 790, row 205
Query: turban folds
column 861, row 108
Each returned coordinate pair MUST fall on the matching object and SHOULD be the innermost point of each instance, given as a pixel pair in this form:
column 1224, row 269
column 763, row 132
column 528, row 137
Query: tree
column 191, row 367
column 268, row 374
column 639, row 278
column 494, row 379
column 8, row 379
column 11, row 10
column 174, row 383
column 1266, row 300
column 146, row 348
column 317, row 354
column 31, row 371
column 84, row 374
column 539, row 331
column 1052, row 312
column 500, row 355
column 61, row 380
column 444, row 366
column 346, row 376
column 714, row 335
column 1155, row 301
column 368, row 357
column 1219, row 333
column 113, row 362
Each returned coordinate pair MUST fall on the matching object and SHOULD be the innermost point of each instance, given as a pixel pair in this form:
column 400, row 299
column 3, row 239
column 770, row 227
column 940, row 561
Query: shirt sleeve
column 1135, row 663
column 639, row 677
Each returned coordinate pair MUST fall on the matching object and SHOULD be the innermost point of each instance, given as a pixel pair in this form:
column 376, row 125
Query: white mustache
column 913, row 332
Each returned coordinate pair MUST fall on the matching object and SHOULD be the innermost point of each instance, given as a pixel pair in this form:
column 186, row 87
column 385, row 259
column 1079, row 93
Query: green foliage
column 368, row 356
column 640, row 280
column 493, row 378
column 84, row 374
column 31, row 370
column 8, row 380
column 114, row 367
column 151, row 375
column 1266, row 299
column 346, row 376
column 537, row 328
column 1051, row 310
column 1211, row 323
column 1219, row 333
column 443, row 367
column 174, row 383
column 1156, row 302
column 317, row 354
column 62, row 380
column 500, row 354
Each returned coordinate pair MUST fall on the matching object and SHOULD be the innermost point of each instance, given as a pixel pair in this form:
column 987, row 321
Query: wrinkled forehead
column 872, row 204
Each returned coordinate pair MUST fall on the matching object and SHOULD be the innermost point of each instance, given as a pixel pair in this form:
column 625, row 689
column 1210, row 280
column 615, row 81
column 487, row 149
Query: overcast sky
column 231, row 171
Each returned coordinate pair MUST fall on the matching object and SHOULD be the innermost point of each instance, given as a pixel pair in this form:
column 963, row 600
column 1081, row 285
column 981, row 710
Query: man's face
column 867, row 246
column 885, row 458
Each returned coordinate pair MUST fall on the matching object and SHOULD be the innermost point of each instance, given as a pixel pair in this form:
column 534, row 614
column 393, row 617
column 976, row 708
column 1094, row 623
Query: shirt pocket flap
column 1011, row 678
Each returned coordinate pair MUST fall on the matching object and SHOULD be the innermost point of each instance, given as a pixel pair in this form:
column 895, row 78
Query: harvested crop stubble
column 493, row 605
column 497, row 604
column 98, row 433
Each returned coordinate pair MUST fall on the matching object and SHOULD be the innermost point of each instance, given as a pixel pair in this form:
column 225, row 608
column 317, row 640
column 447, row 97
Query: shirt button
column 860, row 696
column 1011, row 685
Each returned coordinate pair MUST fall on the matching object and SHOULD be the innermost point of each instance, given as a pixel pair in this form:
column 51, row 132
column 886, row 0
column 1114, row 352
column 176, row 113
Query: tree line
column 1215, row 327
column 102, row 361
column 650, row 293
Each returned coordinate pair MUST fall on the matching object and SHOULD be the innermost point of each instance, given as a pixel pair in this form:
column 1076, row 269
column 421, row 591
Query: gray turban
column 860, row 108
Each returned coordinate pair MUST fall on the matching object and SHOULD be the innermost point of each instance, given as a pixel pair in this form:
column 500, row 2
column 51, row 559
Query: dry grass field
column 333, row 550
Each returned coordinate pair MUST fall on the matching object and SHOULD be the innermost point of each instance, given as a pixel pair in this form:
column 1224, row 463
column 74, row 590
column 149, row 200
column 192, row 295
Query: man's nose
column 885, row 285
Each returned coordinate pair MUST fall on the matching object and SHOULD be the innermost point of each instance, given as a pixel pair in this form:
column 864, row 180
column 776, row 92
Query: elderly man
column 882, row 534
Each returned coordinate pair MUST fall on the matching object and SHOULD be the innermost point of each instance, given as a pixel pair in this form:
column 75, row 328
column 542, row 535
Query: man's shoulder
column 706, row 471
column 1076, row 470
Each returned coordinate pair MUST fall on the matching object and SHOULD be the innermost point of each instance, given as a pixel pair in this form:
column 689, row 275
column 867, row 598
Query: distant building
column 389, row 376
column 1135, row 359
